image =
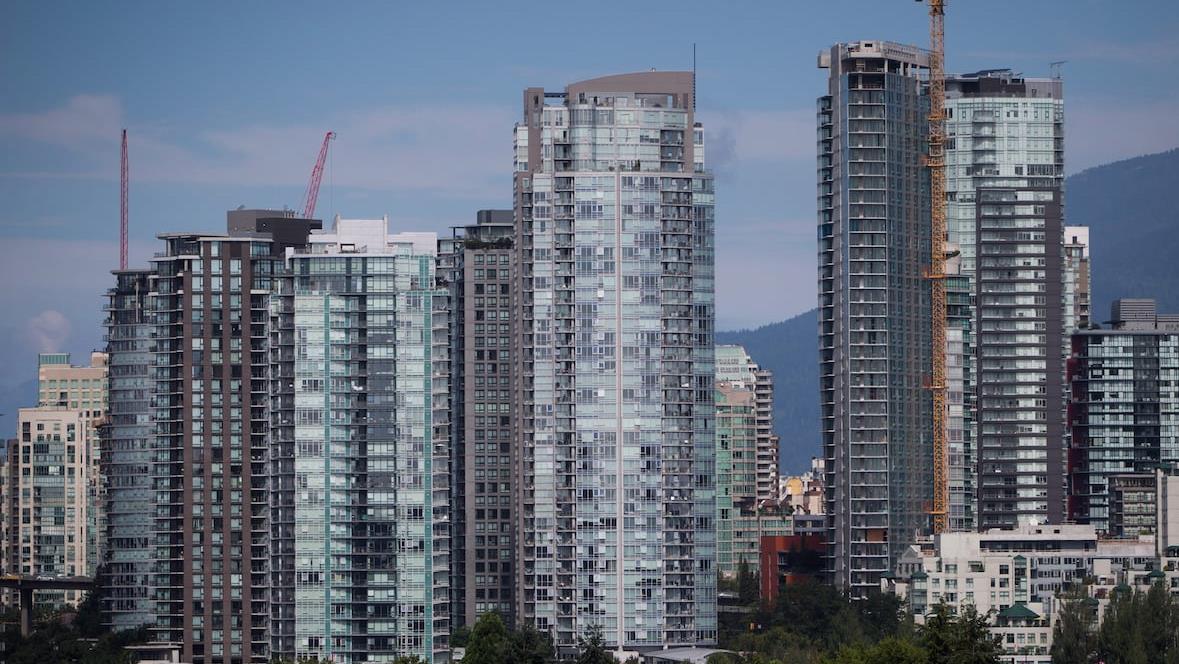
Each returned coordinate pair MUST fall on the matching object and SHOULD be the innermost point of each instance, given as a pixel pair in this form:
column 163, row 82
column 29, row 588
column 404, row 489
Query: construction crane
column 124, row 176
column 312, row 194
column 936, row 161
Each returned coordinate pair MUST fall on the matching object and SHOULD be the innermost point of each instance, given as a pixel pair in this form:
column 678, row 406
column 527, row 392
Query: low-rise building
column 1016, row 577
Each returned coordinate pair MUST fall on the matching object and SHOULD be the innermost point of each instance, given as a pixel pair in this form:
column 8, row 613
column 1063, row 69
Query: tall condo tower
column 874, row 303
column 614, row 364
column 476, row 263
column 210, row 307
column 1004, row 178
column 127, row 438
column 360, row 386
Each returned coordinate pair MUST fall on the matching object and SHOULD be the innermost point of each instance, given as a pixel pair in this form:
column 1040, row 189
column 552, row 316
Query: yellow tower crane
column 936, row 161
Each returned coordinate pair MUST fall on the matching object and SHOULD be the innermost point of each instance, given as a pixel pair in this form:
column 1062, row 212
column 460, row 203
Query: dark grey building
column 210, row 308
column 874, row 303
column 476, row 261
column 1124, row 411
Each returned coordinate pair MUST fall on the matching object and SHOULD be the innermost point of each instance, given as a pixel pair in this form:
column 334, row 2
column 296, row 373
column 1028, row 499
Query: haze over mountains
column 1134, row 235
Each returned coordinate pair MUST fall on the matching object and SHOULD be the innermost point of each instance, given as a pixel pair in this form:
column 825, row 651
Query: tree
column 592, row 648
column 747, row 585
column 962, row 639
column 1073, row 641
column 489, row 642
column 529, row 646
column 1120, row 639
column 1160, row 623
column 891, row 650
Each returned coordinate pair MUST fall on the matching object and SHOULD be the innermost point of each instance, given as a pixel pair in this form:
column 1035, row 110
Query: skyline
column 204, row 97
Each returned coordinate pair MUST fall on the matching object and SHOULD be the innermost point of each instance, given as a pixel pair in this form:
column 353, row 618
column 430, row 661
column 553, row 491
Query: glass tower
column 1124, row 411
column 127, row 454
column 614, row 364
column 1004, row 210
column 874, row 302
column 362, row 376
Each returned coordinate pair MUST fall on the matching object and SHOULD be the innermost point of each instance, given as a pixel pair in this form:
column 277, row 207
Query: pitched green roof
column 1018, row 610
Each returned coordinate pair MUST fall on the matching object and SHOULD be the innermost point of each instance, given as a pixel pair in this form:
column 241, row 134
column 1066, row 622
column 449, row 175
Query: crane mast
column 124, row 176
column 936, row 161
column 312, row 195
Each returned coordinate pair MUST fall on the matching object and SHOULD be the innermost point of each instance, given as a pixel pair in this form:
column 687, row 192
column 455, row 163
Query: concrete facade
column 476, row 262
column 874, row 325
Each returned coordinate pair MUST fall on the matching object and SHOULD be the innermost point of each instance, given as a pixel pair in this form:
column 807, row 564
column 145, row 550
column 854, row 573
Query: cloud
column 462, row 151
column 48, row 331
column 758, row 135
column 84, row 123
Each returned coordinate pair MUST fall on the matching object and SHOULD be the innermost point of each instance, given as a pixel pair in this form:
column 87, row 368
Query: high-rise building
column 874, row 303
column 961, row 392
column 1004, row 178
column 361, row 377
column 1076, row 278
column 83, row 388
column 745, row 509
column 209, row 313
column 1124, row 411
column 614, row 364
column 51, row 492
column 127, row 438
column 476, row 262
column 734, row 365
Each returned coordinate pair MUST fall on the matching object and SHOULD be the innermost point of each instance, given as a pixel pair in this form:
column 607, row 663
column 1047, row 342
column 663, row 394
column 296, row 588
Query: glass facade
column 614, row 249
column 1124, row 414
column 1004, row 177
column 365, row 382
column 874, row 302
column 127, row 454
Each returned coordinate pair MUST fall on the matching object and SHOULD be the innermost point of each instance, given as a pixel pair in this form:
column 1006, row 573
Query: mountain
column 791, row 350
column 1133, row 229
column 1134, row 237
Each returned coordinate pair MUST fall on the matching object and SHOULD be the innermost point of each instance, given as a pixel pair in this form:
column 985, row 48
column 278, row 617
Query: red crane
column 124, row 176
column 312, row 194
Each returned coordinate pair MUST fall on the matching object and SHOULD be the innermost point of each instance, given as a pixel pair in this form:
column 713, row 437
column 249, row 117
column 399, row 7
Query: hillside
column 1134, row 235
column 1133, row 222
column 790, row 349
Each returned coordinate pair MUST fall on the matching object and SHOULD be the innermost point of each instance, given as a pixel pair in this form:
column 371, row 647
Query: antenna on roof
column 693, row 76
column 1056, row 66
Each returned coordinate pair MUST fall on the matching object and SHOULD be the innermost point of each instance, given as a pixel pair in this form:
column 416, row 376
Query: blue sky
column 226, row 105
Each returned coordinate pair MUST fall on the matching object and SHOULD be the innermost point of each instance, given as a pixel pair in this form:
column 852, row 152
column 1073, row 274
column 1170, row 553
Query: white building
column 1016, row 575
